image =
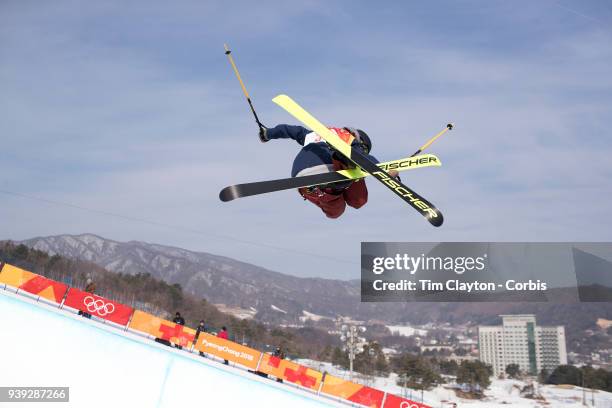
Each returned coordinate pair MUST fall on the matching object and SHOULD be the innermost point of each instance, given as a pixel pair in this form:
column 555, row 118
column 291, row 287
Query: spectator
column 223, row 334
column 278, row 352
column 178, row 319
column 90, row 287
column 200, row 329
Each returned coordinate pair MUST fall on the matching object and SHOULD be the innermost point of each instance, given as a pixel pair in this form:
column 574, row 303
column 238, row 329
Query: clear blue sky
column 133, row 110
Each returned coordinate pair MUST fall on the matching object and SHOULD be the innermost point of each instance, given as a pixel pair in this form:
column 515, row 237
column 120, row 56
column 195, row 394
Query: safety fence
column 128, row 318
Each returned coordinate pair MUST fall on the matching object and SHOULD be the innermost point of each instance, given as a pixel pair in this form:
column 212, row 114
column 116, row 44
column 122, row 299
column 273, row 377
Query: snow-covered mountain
column 249, row 290
column 216, row 278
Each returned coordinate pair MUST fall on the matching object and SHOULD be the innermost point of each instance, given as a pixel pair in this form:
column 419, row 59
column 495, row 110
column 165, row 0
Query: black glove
column 263, row 134
column 342, row 159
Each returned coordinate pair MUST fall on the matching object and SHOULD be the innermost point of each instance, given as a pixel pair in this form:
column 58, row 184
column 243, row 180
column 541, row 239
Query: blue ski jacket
column 315, row 157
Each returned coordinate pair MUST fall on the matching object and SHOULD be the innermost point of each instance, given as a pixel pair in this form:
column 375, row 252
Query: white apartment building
column 520, row 341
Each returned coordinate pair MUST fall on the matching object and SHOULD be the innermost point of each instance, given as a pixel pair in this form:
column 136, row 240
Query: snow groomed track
column 115, row 362
column 105, row 367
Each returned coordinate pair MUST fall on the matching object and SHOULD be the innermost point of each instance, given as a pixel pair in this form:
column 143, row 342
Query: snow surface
column 407, row 331
column 311, row 316
column 236, row 311
column 278, row 309
column 43, row 346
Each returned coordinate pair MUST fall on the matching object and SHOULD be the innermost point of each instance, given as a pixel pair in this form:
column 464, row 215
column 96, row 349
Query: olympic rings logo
column 98, row 306
column 407, row 404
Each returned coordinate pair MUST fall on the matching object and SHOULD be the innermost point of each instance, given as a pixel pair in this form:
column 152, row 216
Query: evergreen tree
column 326, row 353
column 597, row 379
column 565, row 374
column 371, row 360
column 340, row 358
column 475, row 374
column 417, row 372
column 513, row 370
column 448, row 367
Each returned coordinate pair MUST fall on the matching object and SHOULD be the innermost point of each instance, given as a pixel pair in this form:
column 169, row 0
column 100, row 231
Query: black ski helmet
column 362, row 138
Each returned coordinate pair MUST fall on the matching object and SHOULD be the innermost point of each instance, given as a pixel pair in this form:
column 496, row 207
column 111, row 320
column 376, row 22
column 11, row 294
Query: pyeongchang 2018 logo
column 98, row 306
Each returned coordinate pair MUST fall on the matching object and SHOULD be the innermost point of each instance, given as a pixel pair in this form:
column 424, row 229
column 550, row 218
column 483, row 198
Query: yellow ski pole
column 246, row 94
column 433, row 139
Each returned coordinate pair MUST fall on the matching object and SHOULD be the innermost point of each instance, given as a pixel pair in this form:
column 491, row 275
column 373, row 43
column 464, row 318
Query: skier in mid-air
column 323, row 158
column 316, row 157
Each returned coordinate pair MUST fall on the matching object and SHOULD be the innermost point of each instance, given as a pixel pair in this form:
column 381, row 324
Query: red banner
column 370, row 397
column 47, row 288
column 290, row 371
column 33, row 283
column 98, row 306
column 162, row 329
column 393, row 401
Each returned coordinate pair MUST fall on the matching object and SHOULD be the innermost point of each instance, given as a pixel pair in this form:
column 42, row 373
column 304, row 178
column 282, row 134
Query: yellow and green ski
column 269, row 186
column 420, row 204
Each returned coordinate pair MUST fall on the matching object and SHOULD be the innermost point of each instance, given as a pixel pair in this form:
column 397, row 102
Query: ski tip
column 228, row 194
column 436, row 221
column 433, row 159
column 280, row 98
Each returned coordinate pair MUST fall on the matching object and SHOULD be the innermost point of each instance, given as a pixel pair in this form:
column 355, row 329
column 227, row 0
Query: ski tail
column 261, row 187
column 268, row 186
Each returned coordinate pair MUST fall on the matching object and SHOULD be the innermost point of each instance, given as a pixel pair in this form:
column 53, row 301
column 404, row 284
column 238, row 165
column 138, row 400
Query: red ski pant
column 333, row 205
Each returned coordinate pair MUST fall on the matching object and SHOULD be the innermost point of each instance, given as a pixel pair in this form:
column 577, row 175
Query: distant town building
column 460, row 359
column 520, row 341
column 436, row 347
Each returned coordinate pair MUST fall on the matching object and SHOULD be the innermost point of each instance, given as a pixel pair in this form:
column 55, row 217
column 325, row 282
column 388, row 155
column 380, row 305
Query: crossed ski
column 365, row 167
column 261, row 187
column 424, row 207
